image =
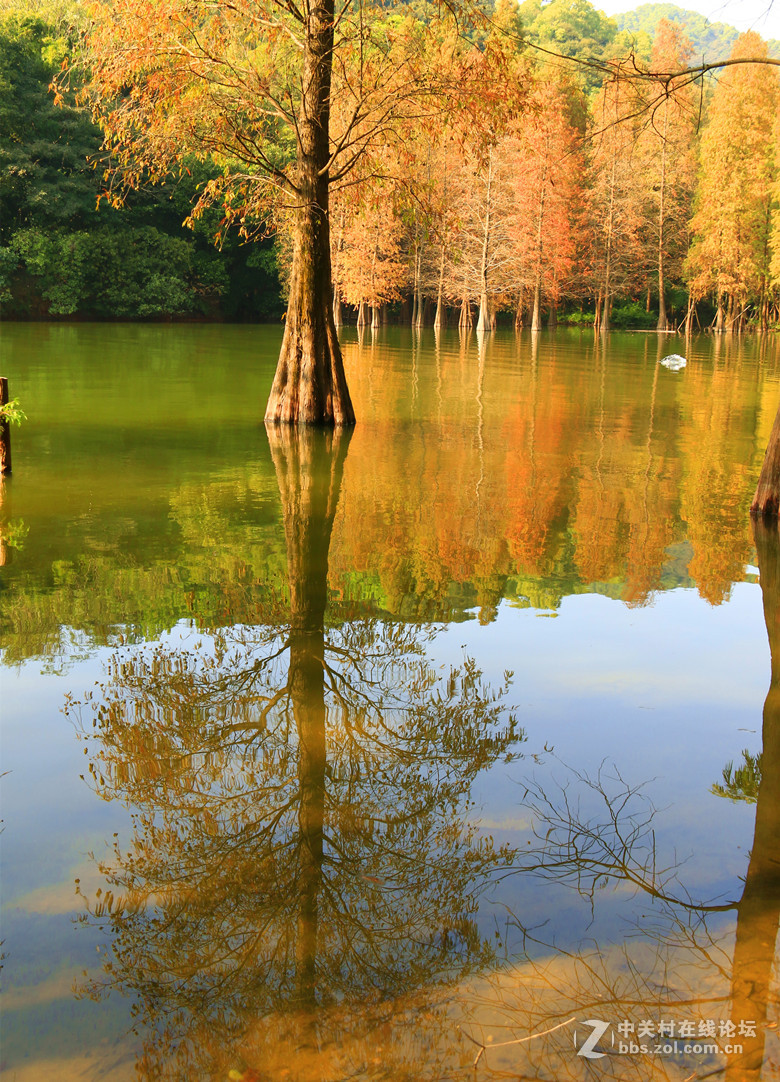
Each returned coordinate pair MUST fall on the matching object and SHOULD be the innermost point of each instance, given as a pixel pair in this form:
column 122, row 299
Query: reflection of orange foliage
column 585, row 473
column 537, row 464
column 716, row 490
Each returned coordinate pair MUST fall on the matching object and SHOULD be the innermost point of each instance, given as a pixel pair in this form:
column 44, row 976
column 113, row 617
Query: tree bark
column 310, row 386
column 759, row 908
column 766, row 500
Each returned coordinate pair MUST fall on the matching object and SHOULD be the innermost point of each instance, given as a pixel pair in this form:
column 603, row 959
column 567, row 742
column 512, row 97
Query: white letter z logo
column 599, row 1029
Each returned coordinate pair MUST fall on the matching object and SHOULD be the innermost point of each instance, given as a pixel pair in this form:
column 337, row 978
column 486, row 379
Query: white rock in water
column 674, row 362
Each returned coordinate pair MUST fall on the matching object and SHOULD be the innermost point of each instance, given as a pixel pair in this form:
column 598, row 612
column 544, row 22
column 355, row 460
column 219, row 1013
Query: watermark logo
column 588, row 1046
column 667, row 1037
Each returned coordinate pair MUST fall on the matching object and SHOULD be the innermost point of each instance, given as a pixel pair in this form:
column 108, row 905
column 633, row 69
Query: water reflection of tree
column 686, row 956
column 300, row 849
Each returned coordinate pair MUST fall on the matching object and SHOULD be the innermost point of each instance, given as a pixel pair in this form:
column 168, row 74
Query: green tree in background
column 60, row 254
column 571, row 28
column 43, row 149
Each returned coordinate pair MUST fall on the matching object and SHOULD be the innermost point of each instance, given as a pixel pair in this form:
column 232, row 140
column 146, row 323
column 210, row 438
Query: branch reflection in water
column 301, row 853
column 684, row 958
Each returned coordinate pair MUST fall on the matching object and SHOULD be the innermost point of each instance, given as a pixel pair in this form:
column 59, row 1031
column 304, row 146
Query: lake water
column 371, row 755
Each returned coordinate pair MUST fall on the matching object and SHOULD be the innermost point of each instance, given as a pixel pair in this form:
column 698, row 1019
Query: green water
column 329, row 757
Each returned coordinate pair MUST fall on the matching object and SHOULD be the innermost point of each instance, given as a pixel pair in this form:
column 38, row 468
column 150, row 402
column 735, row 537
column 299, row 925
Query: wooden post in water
column 5, row 431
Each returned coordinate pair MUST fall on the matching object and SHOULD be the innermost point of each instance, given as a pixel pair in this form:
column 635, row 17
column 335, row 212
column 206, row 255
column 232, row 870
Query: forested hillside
column 557, row 194
column 709, row 40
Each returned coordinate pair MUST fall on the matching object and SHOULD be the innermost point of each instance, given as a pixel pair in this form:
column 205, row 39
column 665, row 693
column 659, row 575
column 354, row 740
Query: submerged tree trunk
column 766, row 500
column 310, row 386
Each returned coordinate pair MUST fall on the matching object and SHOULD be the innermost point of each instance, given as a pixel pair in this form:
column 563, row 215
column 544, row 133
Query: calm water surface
column 369, row 755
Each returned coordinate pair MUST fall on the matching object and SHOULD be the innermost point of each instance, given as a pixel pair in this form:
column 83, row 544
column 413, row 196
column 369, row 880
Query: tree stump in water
column 5, row 430
column 767, row 498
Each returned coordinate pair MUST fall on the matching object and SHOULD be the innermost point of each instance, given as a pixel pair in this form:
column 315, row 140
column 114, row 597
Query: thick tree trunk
column 759, row 908
column 486, row 321
column 552, row 319
column 766, row 500
column 466, row 321
column 310, row 386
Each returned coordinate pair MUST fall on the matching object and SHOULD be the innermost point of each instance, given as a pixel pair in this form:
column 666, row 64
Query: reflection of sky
column 55, row 822
column 669, row 693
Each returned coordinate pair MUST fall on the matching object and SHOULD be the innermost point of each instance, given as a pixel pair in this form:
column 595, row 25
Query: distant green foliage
column 578, row 319
column 43, row 149
column 59, row 254
column 627, row 315
column 136, row 273
column 8, row 264
column 572, row 28
column 632, row 315
column 710, row 41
